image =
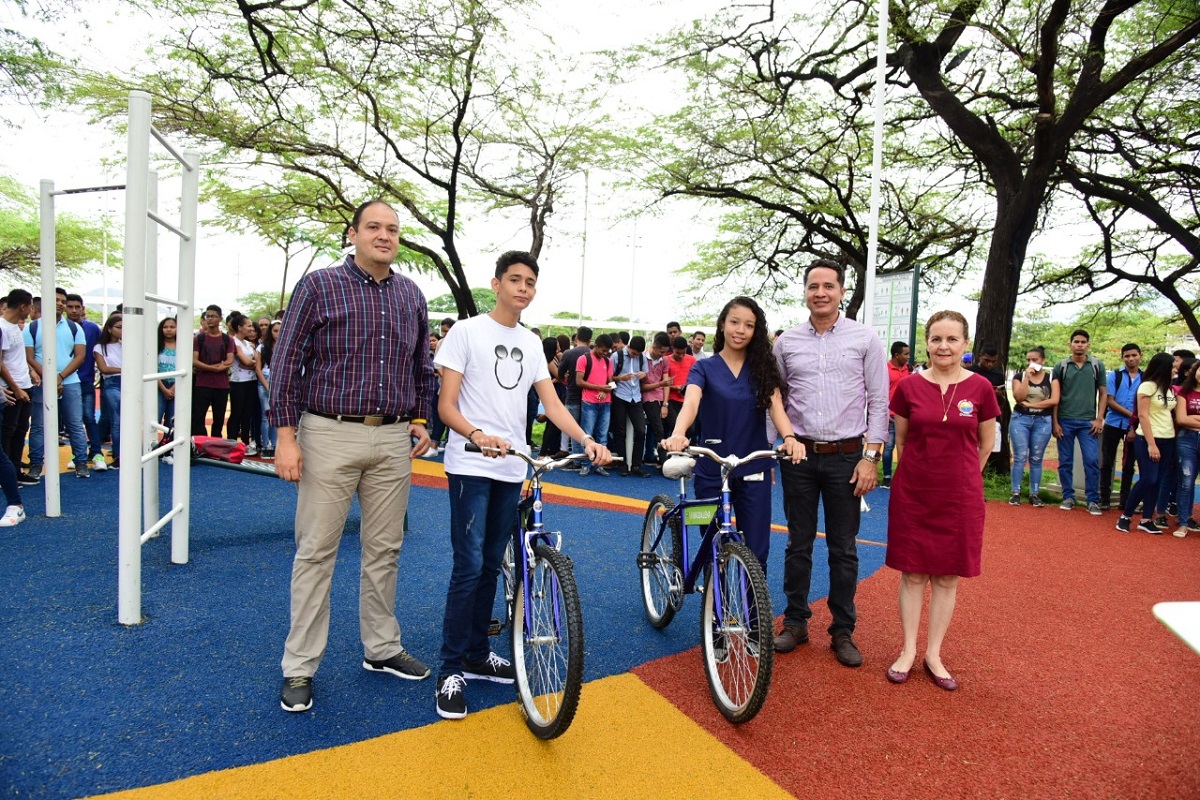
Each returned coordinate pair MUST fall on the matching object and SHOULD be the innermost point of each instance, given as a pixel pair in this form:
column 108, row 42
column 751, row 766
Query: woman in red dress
column 945, row 427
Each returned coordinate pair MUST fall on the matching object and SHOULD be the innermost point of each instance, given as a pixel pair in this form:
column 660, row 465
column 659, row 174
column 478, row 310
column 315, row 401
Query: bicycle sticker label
column 699, row 515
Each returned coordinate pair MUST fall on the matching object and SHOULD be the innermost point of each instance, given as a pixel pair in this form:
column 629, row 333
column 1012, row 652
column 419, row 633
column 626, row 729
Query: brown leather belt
column 370, row 421
column 825, row 448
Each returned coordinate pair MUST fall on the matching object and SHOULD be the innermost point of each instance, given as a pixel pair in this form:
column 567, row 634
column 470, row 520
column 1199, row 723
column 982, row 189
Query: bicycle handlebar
column 731, row 462
column 539, row 464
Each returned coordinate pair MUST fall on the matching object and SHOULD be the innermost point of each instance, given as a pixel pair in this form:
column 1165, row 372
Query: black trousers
column 654, row 429
column 13, row 430
column 243, row 410
column 631, row 410
column 202, row 398
column 1110, row 438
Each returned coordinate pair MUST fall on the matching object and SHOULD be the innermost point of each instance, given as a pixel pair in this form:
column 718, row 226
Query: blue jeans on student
column 1089, row 446
column 576, row 410
column 1187, row 449
column 483, row 520
column 1030, row 433
column 70, row 407
column 594, row 420
column 90, row 426
column 267, row 435
column 166, row 410
column 1145, row 491
column 1168, row 482
column 110, row 405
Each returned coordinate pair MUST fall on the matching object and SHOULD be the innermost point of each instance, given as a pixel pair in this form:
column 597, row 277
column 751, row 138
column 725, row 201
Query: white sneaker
column 431, row 452
column 98, row 463
column 168, row 459
column 13, row 515
column 251, row 450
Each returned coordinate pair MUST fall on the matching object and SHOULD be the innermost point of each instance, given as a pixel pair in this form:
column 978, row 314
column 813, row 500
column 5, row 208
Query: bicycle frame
column 527, row 537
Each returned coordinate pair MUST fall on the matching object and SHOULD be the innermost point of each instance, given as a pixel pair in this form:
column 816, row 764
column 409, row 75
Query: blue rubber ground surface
column 87, row 705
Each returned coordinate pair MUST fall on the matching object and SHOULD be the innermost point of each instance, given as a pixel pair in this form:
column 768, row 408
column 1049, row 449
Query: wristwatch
column 872, row 455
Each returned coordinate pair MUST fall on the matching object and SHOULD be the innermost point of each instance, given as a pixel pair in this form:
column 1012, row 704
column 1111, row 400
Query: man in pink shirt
column 593, row 376
column 653, row 391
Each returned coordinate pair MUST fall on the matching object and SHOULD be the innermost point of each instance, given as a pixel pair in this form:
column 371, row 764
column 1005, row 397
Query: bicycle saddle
column 678, row 466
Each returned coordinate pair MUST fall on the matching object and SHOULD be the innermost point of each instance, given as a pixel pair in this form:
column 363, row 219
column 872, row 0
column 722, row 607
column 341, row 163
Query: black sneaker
column 402, row 665
column 886, row 483
column 451, row 696
column 1150, row 526
column 1014, row 499
column 28, row 480
column 494, row 668
column 297, row 693
column 1160, row 521
column 1036, row 501
column 1172, row 509
column 1123, row 523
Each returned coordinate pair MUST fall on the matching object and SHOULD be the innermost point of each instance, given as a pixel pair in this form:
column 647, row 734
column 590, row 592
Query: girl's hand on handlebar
column 675, row 443
column 794, row 449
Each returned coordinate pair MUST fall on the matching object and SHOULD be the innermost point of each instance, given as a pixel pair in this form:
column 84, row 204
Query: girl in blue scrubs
column 733, row 392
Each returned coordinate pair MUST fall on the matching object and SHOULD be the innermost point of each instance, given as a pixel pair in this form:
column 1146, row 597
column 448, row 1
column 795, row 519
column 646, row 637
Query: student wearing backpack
column 70, row 346
column 87, row 380
column 593, row 376
column 1083, row 396
column 629, row 368
column 212, row 356
column 1119, row 424
column 574, row 401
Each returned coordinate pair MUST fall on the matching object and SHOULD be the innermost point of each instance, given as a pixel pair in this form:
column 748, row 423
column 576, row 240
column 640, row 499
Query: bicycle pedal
column 647, row 560
column 495, row 627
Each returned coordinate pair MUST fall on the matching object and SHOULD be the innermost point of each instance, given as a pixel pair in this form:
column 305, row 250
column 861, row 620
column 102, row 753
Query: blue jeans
column 1145, row 491
column 166, row 410
column 267, row 436
column 576, row 410
column 594, row 420
column 1089, row 446
column 1187, row 449
column 70, row 406
column 110, row 405
column 90, row 426
column 1030, row 434
column 483, row 520
column 889, row 448
column 1168, row 482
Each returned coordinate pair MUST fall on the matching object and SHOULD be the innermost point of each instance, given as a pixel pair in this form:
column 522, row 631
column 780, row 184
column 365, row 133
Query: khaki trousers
column 341, row 458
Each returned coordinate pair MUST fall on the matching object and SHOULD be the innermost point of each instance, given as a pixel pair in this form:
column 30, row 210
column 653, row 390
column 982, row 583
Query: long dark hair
column 1158, row 372
column 1190, row 379
column 764, row 371
column 268, row 344
column 106, row 334
column 162, row 340
column 550, row 348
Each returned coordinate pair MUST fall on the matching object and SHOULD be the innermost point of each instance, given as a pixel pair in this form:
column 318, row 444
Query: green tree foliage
column 1000, row 97
column 28, row 66
column 78, row 242
column 424, row 104
column 256, row 305
column 484, row 300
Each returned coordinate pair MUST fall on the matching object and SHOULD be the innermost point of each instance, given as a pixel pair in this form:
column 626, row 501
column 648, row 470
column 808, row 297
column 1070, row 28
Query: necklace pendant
column 944, row 415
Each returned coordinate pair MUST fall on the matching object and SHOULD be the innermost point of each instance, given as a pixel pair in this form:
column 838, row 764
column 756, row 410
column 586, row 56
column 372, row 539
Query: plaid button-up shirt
column 352, row 345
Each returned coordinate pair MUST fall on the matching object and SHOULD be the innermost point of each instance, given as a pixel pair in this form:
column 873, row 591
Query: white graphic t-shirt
column 499, row 364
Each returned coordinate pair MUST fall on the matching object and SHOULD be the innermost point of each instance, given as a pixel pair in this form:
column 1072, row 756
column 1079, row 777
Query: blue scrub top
column 728, row 412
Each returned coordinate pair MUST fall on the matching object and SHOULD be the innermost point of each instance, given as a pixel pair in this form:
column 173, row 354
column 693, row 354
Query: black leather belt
column 825, row 448
column 371, row 421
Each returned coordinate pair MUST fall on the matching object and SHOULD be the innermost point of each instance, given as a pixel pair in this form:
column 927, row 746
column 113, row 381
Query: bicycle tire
column 657, row 599
column 549, row 663
column 508, row 569
column 738, row 680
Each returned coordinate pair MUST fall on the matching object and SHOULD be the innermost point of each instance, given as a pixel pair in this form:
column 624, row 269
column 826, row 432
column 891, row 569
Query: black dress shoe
column 791, row 637
column 846, row 651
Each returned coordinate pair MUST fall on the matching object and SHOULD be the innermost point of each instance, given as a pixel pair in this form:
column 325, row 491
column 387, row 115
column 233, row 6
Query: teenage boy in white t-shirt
column 488, row 364
column 14, row 373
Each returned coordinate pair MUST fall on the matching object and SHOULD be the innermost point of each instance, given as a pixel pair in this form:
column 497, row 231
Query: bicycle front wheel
column 548, row 651
column 659, row 566
column 737, row 646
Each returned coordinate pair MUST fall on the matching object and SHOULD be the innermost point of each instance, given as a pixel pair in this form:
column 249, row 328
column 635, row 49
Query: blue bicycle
column 542, row 607
column 736, row 621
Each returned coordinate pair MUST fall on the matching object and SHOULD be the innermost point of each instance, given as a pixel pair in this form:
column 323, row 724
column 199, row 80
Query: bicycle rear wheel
column 738, row 648
column 548, row 656
column 659, row 566
column 505, row 584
